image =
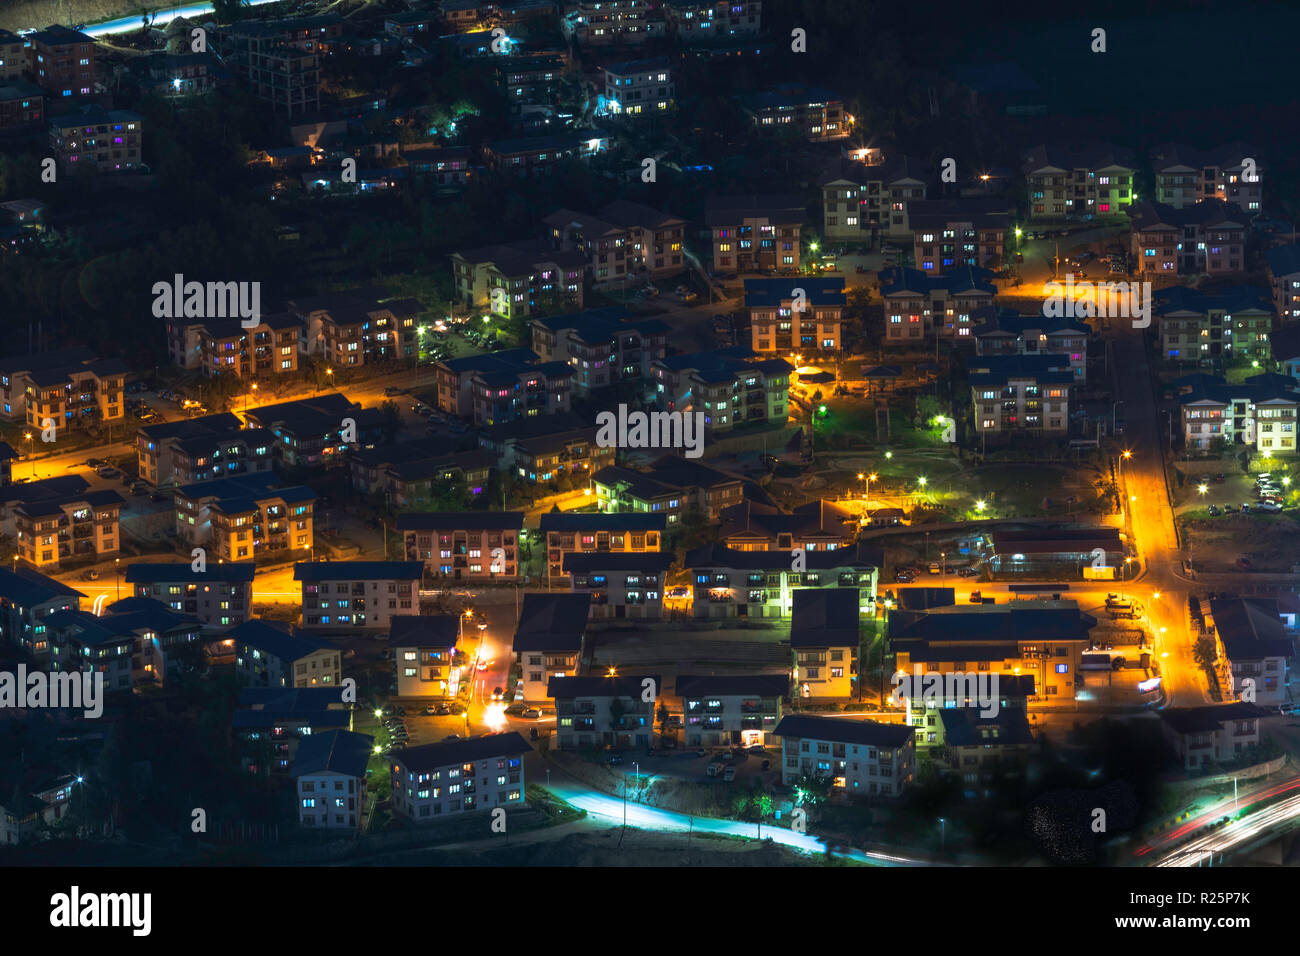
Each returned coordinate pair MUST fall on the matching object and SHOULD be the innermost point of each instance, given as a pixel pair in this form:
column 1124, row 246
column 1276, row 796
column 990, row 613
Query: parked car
column 532, row 713
column 392, row 390
column 96, row 463
column 729, row 774
column 1244, row 563
column 1229, row 509
column 967, row 572
column 109, row 473
column 934, row 568
column 904, row 576
column 976, row 597
column 1215, row 511
column 1270, row 507
column 1245, row 508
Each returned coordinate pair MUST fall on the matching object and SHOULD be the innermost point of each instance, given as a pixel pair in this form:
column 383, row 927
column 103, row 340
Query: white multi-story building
column 330, row 770
column 859, row 757
column 604, row 712
column 358, row 595
column 458, row 776
column 735, row 710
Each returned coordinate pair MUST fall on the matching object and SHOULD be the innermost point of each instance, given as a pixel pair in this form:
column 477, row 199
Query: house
column 177, row 75
column 782, row 321
column 424, row 650
column 1203, row 737
column 1005, row 332
column 22, row 104
column 311, row 430
column 220, row 595
column 948, row 234
column 755, row 233
column 1021, row 395
column 27, row 599
column 445, row 166
column 55, row 525
column 622, row 239
column 533, row 77
column 1208, row 238
column 463, row 545
column 1044, row 639
column 606, row 713
column 869, row 202
column 349, row 329
column 515, row 279
column 674, row 486
column 1259, row 413
column 1186, row 176
column 1078, row 183
column 622, row 586
column 357, row 595
column 67, row 390
column 61, row 60
column 35, row 802
column 601, row 346
column 1054, row 549
column 737, row 710
column 859, row 757
column 535, row 155
column 1252, row 643
column 639, row 88
column 245, row 517
column 983, row 751
column 546, row 451
column 13, row 56
column 1283, row 264
column 814, row 113
column 732, row 386
column 712, row 21
column 762, row 584
column 273, row 654
column 816, row 526
column 918, row 305
column 330, row 770
column 1212, row 327
column 957, row 693
column 200, row 449
column 270, row 722
column 604, row 22
column 458, row 776
column 460, row 15
column 548, row 642
column 825, row 632
column 417, row 24
column 572, row 532
column 505, row 386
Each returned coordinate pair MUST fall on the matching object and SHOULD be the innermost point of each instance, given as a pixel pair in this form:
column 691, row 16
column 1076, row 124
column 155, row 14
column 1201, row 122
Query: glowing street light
column 1202, row 488
column 980, row 505
column 921, row 481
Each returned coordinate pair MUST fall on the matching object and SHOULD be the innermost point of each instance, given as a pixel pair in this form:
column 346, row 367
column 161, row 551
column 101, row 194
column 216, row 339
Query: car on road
column 1244, row 563
column 497, row 693
column 96, row 463
column 976, row 597
column 92, row 574
column 967, row 572
column 484, row 665
column 934, row 568
column 532, row 713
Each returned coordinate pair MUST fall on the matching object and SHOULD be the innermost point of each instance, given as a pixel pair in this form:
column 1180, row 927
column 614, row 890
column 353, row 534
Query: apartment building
column 281, row 59
column 271, row 722
column 816, row 526
column 1208, row 238
column 62, row 61
column 1283, row 264
column 1021, row 395
column 868, row 203
column 27, row 599
column 330, row 774
column 547, row 451
column 274, row 654
column 639, row 88
column 738, row 710
column 458, row 776
column 1078, row 183
column 813, row 113
column 605, row 22
column 537, row 155
column 22, row 104
column 947, row 741
column 1259, row 413
column 66, row 390
column 357, row 595
column 1006, row 332
column 1043, row 639
column 226, row 347
column 601, row 346
column 424, row 654
column 950, row 234
column 780, row 321
column 54, row 531
column 219, row 596
column 732, row 386
column 622, row 239
column 1186, row 176
column 622, row 586
column 464, row 545
column 533, row 77
column 548, row 641
column 84, row 643
column 245, row 518
column 825, row 633
column 415, row 475
column 167, row 642
column 673, row 486
column 918, row 305
column 310, row 431
column 200, row 449
column 1203, row 737
column 575, row 533
column 1231, row 325
column 728, row 583
column 13, row 55
column 755, row 233
column 461, row 380
column 858, row 757
column 518, row 279
column 605, row 713
column 451, row 167
column 93, row 139
column 1253, row 649
column 353, row 328
column 712, row 21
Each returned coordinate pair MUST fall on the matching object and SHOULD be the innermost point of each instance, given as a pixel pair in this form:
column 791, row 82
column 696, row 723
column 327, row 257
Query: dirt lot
column 1267, row 541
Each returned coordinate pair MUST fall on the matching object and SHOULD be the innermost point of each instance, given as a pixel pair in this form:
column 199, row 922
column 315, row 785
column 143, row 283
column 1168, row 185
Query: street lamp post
column 943, row 834
column 31, row 453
